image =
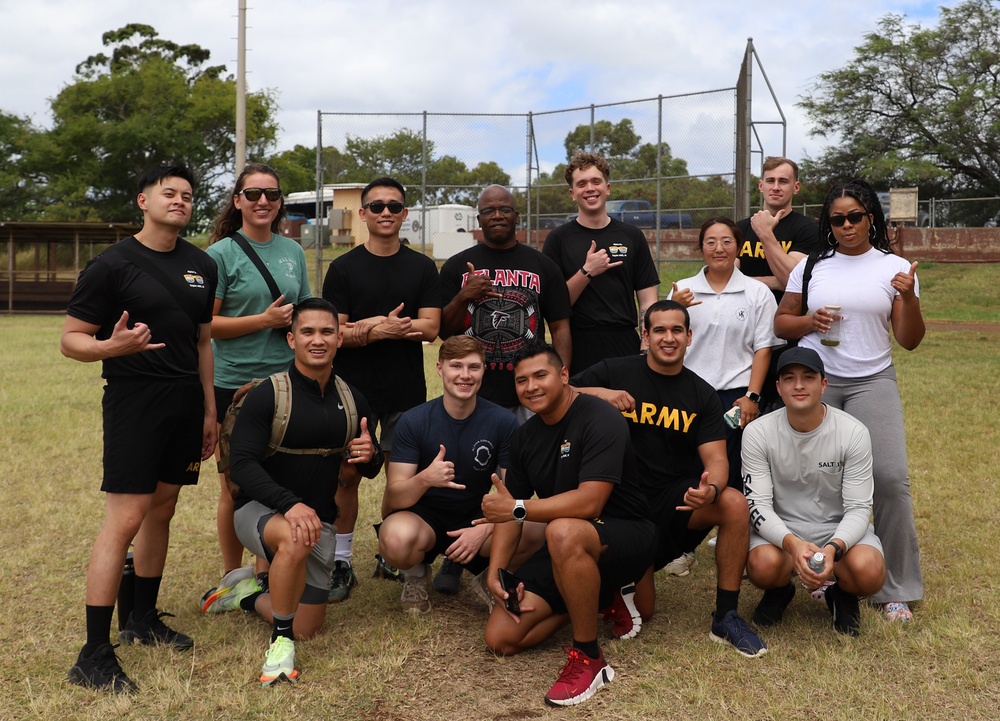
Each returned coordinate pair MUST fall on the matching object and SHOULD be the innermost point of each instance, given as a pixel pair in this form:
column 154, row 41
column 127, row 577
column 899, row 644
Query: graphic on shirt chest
column 618, row 251
column 482, row 454
column 505, row 324
column 194, row 278
column 751, row 249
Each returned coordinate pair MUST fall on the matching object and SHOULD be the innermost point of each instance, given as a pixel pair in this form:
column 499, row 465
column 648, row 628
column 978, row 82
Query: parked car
column 640, row 213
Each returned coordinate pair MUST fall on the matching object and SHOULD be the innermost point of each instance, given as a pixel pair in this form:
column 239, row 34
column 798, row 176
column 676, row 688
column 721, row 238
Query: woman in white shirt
column 878, row 295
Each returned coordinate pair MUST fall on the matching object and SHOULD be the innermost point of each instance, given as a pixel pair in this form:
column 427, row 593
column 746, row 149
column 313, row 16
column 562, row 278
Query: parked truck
column 641, row 213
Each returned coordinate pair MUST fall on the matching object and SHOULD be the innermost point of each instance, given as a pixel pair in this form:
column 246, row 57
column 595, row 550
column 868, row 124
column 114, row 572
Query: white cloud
column 461, row 56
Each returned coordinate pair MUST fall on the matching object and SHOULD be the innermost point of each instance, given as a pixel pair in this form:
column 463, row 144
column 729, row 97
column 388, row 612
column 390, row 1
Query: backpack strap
column 807, row 274
column 283, row 412
column 350, row 408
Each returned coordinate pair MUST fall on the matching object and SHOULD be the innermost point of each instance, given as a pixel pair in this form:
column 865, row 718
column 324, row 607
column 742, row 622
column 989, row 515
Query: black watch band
column 838, row 552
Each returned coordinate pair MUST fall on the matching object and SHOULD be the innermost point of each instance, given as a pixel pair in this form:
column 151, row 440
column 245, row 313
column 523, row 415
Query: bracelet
column 585, row 273
column 716, row 489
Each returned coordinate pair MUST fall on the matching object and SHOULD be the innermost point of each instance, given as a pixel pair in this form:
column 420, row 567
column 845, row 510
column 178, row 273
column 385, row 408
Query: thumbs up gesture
column 362, row 448
column 906, row 283
column 498, row 507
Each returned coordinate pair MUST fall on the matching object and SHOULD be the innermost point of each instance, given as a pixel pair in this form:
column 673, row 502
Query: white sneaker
column 682, row 565
column 712, row 541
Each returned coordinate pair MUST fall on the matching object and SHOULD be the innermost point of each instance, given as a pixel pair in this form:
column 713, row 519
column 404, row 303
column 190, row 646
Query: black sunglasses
column 253, row 194
column 855, row 216
column 377, row 206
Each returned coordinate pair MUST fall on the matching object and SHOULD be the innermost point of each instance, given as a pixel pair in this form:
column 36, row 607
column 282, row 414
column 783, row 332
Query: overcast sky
column 468, row 56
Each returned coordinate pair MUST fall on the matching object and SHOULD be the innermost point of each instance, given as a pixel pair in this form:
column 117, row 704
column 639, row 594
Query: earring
column 871, row 233
column 830, row 240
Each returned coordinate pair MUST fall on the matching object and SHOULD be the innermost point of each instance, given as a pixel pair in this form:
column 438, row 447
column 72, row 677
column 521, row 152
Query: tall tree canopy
column 916, row 106
column 148, row 101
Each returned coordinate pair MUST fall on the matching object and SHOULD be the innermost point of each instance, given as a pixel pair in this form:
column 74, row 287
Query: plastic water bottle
column 817, row 562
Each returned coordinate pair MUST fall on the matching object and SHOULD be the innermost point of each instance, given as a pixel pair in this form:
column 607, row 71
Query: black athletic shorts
column 223, row 397
column 628, row 554
column 441, row 522
column 673, row 537
column 152, row 432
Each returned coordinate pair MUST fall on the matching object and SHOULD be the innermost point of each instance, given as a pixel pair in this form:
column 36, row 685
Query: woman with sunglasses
column 878, row 298
column 248, row 324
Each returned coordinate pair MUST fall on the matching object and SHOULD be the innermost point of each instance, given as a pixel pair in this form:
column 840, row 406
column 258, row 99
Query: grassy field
column 373, row 662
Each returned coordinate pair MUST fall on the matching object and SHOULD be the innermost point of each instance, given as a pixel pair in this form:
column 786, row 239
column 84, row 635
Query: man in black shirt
column 144, row 308
column 607, row 266
column 285, row 508
column 575, row 456
column 503, row 293
column 392, row 296
column 676, row 425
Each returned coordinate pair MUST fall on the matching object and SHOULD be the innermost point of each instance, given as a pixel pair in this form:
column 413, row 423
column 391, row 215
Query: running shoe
column 579, row 679
column 386, row 571
column 342, row 580
column 100, row 669
column 846, row 610
column 772, row 605
column 682, row 565
column 150, row 630
column 625, row 620
column 734, row 630
column 224, row 598
column 279, row 665
column 449, row 577
column 414, row 598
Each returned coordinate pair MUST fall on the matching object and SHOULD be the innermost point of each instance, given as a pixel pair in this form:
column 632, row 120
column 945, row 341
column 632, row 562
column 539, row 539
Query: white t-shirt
column 728, row 328
column 861, row 286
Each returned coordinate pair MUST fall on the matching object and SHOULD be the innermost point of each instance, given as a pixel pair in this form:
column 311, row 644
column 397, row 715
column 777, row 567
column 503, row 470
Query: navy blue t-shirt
column 477, row 445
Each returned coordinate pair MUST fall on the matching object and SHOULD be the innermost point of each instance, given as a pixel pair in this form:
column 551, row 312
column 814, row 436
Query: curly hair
column 582, row 160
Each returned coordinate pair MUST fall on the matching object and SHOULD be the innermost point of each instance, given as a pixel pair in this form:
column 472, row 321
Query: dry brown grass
column 374, row 663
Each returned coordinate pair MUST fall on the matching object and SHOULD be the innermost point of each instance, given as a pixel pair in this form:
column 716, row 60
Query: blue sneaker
column 734, row 630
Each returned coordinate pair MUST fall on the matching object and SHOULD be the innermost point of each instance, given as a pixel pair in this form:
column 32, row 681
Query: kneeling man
column 444, row 454
column 576, row 457
column 285, row 508
column 808, row 473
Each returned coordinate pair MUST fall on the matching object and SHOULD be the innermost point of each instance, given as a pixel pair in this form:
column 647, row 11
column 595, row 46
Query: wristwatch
column 519, row 512
column 838, row 552
column 755, row 397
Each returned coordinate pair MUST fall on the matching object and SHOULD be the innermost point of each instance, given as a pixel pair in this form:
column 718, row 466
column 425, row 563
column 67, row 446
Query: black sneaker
column 101, row 670
column 449, row 577
column 846, row 610
column 152, row 631
column 772, row 605
column 342, row 580
column 386, row 571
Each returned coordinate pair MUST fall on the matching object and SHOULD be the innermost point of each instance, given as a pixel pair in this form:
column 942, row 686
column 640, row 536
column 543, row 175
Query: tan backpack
column 282, row 412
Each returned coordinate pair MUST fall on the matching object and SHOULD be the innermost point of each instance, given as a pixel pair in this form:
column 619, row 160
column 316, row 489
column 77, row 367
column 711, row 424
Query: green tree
column 916, row 106
column 150, row 101
column 611, row 140
column 19, row 200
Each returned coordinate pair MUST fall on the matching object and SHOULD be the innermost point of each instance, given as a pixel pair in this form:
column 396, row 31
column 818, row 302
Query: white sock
column 344, row 541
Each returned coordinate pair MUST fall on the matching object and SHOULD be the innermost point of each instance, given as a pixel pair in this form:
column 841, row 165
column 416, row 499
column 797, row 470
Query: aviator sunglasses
column 855, row 216
column 377, row 206
column 253, row 194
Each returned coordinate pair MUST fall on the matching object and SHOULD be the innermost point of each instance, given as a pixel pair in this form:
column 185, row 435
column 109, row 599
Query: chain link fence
column 676, row 153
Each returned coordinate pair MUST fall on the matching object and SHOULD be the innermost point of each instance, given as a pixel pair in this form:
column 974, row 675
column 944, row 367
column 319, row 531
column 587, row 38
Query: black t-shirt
column 533, row 292
column 589, row 443
column 608, row 301
column 318, row 420
column 673, row 416
column 360, row 284
column 111, row 284
column 795, row 232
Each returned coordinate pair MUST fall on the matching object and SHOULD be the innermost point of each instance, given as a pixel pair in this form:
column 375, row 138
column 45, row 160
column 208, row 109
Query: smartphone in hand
column 509, row 583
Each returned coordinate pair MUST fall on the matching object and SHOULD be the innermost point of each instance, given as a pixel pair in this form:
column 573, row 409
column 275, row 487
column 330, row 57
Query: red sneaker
column 579, row 680
column 625, row 619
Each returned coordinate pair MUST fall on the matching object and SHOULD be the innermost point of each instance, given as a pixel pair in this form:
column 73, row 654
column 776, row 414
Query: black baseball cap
column 801, row 356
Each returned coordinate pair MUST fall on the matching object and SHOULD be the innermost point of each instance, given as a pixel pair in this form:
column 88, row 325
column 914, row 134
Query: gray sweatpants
column 874, row 400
